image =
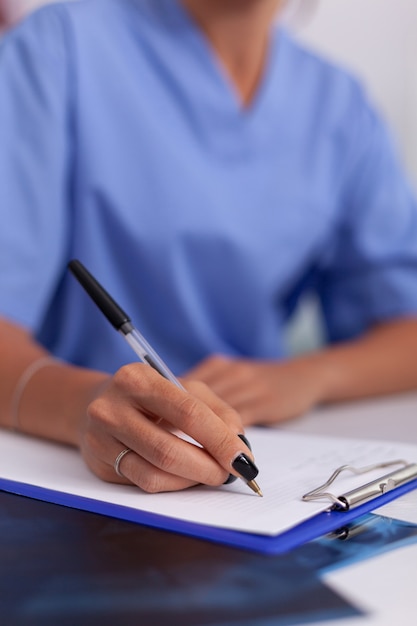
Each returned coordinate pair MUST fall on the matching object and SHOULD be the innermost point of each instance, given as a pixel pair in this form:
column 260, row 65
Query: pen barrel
column 121, row 321
column 109, row 307
column 148, row 355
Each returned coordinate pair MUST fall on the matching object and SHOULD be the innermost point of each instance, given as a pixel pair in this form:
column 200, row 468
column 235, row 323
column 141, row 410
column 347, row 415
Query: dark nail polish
column 245, row 467
column 231, row 479
column 245, row 441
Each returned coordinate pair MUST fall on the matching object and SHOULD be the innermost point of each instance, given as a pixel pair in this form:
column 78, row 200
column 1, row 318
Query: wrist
column 20, row 388
column 54, row 402
column 322, row 376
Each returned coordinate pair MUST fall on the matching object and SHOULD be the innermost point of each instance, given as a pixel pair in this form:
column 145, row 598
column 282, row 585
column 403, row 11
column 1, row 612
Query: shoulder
column 323, row 79
column 58, row 34
column 329, row 100
column 313, row 63
column 85, row 29
column 46, row 26
column 41, row 35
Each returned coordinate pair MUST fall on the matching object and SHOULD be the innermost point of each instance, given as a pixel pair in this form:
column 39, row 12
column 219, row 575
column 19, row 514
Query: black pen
column 123, row 324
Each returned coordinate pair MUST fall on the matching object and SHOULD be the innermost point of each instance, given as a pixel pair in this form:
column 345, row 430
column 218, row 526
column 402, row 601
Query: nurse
column 209, row 171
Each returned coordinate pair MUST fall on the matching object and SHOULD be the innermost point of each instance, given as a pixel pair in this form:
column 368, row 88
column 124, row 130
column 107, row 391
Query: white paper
column 403, row 509
column 290, row 465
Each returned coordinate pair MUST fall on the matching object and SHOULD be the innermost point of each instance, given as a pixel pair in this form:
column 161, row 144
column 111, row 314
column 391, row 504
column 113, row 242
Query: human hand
column 262, row 392
column 140, row 410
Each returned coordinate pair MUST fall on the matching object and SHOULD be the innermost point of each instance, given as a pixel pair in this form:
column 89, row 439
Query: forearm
column 381, row 362
column 136, row 411
column 53, row 402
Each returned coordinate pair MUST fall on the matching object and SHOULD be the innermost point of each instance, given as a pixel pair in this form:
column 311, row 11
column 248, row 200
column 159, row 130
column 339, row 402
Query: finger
column 229, row 415
column 155, row 395
column 166, row 453
column 234, row 377
column 240, row 396
column 149, row 392
column 264, row 410
column 172, row 454
column 147, row 476
column 204, row 425
column 221, row 407
column 242, row 380
column 150, row 478
column 134, row 470
column 211, row 371
column 100, row 452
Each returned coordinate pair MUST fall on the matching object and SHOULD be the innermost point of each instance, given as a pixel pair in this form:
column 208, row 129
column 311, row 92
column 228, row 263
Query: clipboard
column 333, row 515
column 317, row 526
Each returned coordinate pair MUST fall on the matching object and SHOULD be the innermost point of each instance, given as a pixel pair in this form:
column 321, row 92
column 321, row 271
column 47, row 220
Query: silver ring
column 118, row 460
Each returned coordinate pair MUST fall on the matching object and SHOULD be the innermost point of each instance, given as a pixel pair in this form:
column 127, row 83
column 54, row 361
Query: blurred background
column 377, row 40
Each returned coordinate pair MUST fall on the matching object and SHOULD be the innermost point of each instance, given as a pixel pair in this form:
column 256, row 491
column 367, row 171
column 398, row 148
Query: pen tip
column 255, row 487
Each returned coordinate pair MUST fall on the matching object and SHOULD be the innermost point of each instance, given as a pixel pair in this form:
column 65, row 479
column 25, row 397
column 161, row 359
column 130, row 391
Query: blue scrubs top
column 124, row 144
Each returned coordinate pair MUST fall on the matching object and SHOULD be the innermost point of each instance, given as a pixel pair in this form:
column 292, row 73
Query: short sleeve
column 34, row 156
column 369, row 271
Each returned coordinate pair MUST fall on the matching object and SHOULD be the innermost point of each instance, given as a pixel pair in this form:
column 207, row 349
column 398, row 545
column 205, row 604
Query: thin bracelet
column 24, row 379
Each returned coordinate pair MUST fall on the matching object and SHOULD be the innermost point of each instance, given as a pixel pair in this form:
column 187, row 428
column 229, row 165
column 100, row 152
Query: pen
column 123, row 324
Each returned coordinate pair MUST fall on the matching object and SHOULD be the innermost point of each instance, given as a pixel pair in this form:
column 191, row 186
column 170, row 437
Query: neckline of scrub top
column 270, row 91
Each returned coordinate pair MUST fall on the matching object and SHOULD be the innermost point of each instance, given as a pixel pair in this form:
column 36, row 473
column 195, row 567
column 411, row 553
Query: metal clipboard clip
column 366, row 492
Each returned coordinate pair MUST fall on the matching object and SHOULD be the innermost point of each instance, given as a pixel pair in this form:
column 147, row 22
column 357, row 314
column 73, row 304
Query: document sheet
column 290, row 465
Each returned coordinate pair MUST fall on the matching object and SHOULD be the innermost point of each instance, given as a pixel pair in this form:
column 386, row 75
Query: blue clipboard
column 316, row 526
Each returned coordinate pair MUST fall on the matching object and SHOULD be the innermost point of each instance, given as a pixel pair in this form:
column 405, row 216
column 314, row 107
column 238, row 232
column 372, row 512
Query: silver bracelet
column 28, row 373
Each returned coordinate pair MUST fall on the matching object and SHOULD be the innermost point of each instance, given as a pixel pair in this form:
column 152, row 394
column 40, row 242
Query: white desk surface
column 393, row 417
column 383, row 586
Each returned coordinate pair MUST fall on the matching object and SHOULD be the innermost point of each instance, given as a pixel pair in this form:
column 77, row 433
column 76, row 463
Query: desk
column 392, row 418
column 62, row 566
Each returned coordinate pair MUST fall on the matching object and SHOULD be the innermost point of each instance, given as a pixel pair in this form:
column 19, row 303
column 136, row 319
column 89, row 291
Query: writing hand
column 140, row 410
